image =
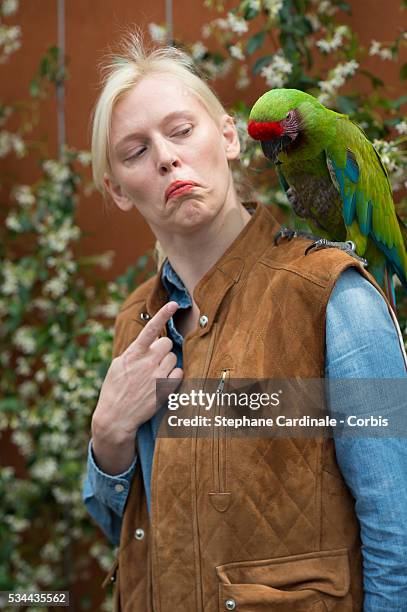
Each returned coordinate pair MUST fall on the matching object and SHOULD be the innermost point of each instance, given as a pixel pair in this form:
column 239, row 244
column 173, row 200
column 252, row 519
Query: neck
column 192, row 255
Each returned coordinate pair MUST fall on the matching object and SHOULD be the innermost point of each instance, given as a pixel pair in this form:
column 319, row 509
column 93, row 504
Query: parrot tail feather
column 389, row 288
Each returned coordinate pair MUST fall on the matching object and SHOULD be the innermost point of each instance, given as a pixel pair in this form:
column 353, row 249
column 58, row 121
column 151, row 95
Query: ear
column 230, row 137
column 117, row 194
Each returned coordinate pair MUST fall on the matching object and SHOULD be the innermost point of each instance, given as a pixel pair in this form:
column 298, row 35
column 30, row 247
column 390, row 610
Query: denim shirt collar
column 177, row 292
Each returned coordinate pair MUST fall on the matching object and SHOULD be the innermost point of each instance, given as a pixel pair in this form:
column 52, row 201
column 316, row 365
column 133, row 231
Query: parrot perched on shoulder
column 334, row 178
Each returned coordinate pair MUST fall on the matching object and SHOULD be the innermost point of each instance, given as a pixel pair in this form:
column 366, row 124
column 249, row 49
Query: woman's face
column 169, row 158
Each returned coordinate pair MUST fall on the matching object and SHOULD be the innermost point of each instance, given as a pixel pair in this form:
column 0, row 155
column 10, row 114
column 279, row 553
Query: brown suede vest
column 250, row 524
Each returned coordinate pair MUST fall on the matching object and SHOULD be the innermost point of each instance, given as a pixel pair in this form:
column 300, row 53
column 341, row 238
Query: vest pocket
column 311, row 582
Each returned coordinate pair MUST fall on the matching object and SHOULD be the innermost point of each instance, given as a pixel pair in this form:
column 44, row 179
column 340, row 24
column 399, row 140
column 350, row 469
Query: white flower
column 56, row 171
column 206, row 30
column 24, row 340
column 401, row 127
column 335, row 41
column 314, row 21
column 44, row 574
column 50, row 552
column 40, row 376
column 239, row 26
column 158, row 33
column 9, row 34
column 217, row 70
column 277, row 71
column 376, row 49
column 243, row 81
column 13, row 223
column 23, row 367
column 55, row 287
column 16, row 523
column 110, row 310
column 67, row 374
column 198, row 50
column 11, row 142
column 325, row 7
column 43, row 304
column 58, row 240
column 23, row 195
column 18, row 145
column 5, row 113
column 236, row 51
column 28, row 389
column 254, row 5
column 273, row 7
column 9, row 7
column 23, row 441
column 45, row 469
column 337, row 78
column 85, row 157
column 10, row 283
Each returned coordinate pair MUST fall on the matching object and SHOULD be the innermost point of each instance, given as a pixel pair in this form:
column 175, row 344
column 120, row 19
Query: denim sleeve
column 105, row 496
column 362, row 342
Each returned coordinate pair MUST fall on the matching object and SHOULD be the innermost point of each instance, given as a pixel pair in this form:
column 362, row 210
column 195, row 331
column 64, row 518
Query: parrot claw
column 349, row 247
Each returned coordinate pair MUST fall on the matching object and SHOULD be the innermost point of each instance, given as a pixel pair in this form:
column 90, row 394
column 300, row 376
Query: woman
column 243, row 523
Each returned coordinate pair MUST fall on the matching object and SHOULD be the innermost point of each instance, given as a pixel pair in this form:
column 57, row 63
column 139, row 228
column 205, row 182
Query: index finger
column 153, row 328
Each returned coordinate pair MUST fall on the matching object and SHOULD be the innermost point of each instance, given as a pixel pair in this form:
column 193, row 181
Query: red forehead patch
column 265, row 130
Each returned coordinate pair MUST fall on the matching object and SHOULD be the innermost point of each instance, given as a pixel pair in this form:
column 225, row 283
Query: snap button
column 119, row 488
column 203, row 321
column 139, row 533
column 230, row 604
column 144, row 316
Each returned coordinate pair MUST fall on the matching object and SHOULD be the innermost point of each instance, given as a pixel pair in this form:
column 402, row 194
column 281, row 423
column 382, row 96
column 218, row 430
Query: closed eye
column 136, row 154
column 184, row 132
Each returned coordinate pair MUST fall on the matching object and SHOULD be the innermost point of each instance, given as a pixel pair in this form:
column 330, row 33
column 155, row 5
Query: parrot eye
column 289, row 115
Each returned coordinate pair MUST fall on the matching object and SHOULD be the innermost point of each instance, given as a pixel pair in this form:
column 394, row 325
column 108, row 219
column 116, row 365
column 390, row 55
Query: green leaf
column 346, row 105
column 261, row 62
column 255, row 42
column 398, row 102
column 403, row 71
column 248, row 11
column 376, row 82
column 11, row 404
column 35, row 88
column 344, row 6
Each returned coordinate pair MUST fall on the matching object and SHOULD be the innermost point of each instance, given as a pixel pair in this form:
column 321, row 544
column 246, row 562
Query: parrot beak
column 272, row 148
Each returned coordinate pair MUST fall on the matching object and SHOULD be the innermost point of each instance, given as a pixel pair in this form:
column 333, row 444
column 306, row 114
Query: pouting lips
column 177, row 187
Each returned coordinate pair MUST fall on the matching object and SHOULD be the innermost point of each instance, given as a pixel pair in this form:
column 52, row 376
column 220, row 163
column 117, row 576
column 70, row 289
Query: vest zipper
column 219, row 446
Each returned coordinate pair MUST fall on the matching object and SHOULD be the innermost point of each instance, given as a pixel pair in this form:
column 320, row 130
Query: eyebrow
column 169, row 117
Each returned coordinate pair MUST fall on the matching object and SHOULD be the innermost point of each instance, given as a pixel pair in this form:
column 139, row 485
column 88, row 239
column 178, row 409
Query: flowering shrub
column 57, row 317
column 55, row 347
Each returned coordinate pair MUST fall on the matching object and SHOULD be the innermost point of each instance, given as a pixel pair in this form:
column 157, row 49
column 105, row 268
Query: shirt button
column 203, row 321
column 119, row 488
column 139, row 533
column 230, row 604
column 144, row 316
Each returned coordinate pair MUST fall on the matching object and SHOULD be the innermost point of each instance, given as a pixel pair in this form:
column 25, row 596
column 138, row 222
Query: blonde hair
column 123, row 72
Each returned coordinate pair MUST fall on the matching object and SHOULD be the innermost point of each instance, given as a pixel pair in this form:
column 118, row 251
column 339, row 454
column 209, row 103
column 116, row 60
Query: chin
column 193, row 214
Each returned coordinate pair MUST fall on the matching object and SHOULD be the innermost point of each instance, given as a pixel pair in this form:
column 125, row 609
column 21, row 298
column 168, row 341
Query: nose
column 167, row 157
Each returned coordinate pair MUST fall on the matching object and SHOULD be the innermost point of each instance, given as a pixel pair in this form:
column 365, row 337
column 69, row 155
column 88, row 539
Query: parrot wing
column 363, row 183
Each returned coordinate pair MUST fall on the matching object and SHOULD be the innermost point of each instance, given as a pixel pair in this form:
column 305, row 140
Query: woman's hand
column 128, row 395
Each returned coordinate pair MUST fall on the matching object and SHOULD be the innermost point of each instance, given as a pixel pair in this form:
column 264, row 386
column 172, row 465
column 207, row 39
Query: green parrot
column 334, row 178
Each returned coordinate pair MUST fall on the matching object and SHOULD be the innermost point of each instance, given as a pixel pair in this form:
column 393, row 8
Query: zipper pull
column 221, row 384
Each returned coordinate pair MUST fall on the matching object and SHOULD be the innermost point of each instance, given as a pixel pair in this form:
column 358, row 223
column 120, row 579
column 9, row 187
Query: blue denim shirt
column 361, row 342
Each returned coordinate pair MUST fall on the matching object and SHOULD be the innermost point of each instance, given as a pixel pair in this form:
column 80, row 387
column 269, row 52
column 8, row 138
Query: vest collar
column 232, row 267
